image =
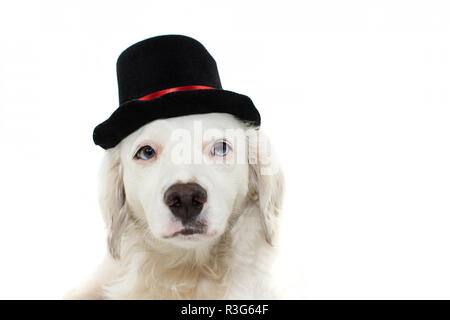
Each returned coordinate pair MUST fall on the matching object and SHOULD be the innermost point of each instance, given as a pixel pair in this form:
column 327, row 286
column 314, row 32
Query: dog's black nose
column 185, row 200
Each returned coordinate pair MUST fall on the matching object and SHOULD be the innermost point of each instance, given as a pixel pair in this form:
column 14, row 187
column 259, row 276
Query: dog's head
column 185, row 177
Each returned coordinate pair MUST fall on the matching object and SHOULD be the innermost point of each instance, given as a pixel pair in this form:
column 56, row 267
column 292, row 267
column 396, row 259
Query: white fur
column 232, row 261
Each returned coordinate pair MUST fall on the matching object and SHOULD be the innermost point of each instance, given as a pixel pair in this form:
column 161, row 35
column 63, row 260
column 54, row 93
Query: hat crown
column 164, row 62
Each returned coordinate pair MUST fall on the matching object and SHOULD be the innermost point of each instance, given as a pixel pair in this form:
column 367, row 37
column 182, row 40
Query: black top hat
column 164, row 77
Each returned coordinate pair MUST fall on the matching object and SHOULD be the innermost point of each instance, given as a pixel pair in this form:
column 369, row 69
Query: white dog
column 190, row 212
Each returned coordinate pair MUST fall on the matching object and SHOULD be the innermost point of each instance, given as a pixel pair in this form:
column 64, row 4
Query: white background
column 353, row 94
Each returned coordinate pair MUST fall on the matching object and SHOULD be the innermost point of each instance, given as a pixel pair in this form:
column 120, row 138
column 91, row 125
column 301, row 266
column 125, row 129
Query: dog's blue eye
column 220, row 149
column 145, row 153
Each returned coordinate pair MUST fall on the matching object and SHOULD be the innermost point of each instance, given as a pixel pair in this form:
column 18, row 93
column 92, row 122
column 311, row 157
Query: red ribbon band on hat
column 158, row 94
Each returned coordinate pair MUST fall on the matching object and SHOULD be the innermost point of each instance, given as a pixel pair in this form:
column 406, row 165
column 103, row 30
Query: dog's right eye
column 145, row 153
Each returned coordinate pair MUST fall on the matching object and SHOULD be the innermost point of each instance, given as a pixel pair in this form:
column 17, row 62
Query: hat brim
column 132, row 115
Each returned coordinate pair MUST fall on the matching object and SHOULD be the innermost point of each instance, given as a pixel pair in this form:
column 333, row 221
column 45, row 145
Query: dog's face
column 185, row 176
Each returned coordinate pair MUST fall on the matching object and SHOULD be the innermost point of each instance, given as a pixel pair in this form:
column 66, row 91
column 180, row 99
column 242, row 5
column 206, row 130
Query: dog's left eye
column 145, row 153
column 220, row 148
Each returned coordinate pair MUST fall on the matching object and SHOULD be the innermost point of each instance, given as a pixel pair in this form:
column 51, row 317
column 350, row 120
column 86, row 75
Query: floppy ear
column 112, row 200
column 267, row 183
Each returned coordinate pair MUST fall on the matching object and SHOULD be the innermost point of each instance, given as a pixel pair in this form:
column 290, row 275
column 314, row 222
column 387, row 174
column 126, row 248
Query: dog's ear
column 266, row 183
column 112, row 200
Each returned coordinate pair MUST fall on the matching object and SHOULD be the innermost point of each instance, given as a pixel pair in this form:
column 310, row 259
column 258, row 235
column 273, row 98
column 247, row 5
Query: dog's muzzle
column 185, row 200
